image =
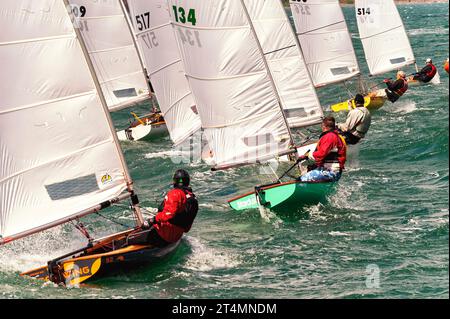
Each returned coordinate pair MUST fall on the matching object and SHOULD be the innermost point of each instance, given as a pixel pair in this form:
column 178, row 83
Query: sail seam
column 317, row 29
column 209, row 28
column 112, row 49
column 120, row 77
column 57, row 159
column 374, row 35
column 66, row 36
column 93, row 92
column 164, row 67
column 229, row 77
column 248, row 119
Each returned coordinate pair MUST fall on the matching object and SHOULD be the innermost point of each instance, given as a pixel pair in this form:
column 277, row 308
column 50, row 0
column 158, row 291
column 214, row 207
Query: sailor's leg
column 321, row 175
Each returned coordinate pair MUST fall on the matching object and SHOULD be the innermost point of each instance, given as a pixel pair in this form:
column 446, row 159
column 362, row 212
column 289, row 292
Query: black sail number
column 143, row 21
column 363, row 11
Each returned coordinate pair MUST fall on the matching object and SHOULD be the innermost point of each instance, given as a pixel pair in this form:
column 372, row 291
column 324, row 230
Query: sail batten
column 68, row 159
column 325, row 41
column 159, row 51
column 383, row 35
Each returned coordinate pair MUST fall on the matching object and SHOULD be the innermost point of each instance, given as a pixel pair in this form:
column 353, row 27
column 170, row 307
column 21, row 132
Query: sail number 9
column 79, row 12
column 363, row 11
column 180, row 15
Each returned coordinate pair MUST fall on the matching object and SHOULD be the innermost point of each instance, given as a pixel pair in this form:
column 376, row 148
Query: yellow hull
column 370, row 102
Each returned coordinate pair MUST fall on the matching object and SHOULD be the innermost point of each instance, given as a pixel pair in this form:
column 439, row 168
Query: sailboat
column 326, row 44
column 385, row 42
column 150, row 21
column 68, row 163
column 235, row 91
column 117, row 63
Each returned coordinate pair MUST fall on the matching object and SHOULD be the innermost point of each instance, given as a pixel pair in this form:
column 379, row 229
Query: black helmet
column 181, row 178
column 359, row 99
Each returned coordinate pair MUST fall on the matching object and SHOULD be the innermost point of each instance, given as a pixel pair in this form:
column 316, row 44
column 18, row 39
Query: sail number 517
column 180, row 15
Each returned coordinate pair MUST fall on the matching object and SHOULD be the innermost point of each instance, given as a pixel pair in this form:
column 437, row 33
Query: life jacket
column 403, row 89
column 336, row 158
column 432, row 72
column 186, row 218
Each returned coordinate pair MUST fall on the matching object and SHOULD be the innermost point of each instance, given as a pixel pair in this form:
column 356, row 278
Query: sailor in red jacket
column 396, row 89
column 427, row 73
column 176, row 214
column 329, row 157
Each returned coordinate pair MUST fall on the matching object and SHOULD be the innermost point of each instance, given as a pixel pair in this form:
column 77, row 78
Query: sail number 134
column 180, row 15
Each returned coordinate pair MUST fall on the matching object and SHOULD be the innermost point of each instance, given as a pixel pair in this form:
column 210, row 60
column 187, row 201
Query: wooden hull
column 284, row 196
column 372, row 103
column 149, row 126
column 102, row 260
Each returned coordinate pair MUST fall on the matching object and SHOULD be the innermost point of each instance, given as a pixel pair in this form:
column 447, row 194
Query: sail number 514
column 363, row 11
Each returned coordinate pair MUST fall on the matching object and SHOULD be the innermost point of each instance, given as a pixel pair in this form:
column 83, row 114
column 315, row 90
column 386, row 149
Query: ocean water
column 383, row 234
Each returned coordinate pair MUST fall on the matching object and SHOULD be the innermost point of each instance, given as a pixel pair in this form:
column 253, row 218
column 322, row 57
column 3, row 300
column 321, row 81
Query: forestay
column 57, row 152
column 238, row 106
column 386, row 44
column 158, row 47
column 296, row 90
column 110, row 44
column 325, row 41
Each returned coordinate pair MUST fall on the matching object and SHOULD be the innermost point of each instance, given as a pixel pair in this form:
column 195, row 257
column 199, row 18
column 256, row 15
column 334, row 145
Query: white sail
column 110, row 44
column 57, row 150
column 158, row 46
column 236, row 100
column 325, row 41
column 386, row 44
column 286, row 63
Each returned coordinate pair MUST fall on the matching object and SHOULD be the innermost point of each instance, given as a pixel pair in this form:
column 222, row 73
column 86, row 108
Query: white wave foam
column 423, row 31
column 403, row 107
column 338, row 234
column 204, row 258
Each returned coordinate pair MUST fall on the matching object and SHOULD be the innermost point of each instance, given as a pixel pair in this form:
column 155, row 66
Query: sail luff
column 139, row 53
column 325, row 41
column 272, row 81
column 104, row 104
column 383, row 35
column 308, row 75
column 102, row 24
column 153, row 33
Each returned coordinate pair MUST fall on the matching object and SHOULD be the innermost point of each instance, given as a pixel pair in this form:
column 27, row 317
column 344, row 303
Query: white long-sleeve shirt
column 358, row 122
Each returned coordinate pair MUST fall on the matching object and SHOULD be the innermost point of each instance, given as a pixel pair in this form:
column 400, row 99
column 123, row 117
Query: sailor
column 329, row 157
column 357, row 124
column 396, row 89
column 446, row 66
column 427, row 73
column 176, row 213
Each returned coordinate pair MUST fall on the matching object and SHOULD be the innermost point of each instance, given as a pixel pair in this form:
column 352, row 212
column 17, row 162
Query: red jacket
column 330, row 148
column 174, row 203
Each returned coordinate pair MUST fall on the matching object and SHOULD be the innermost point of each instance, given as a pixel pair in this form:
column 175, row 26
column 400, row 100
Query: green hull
column 284, row 196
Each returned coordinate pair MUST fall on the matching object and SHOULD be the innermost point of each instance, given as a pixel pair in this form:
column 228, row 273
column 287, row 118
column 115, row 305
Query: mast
column 157, row 45
column 130, row 28
column 135, row 202
column 250, row 22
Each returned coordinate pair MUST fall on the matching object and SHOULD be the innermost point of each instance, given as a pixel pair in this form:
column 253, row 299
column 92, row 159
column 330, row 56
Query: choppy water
column 390, row 213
